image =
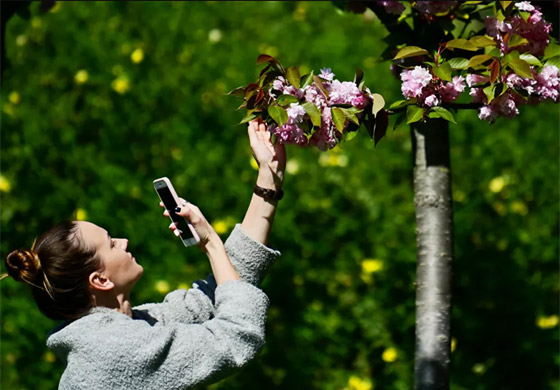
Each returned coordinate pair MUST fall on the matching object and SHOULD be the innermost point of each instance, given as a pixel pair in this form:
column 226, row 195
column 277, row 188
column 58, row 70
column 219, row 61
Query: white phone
column 170, row 200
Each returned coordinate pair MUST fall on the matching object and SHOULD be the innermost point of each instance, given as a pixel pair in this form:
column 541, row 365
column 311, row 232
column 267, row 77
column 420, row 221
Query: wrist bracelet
column 267, row 193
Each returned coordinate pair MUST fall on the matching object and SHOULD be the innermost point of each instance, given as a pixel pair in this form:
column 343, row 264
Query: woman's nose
column 123, row 242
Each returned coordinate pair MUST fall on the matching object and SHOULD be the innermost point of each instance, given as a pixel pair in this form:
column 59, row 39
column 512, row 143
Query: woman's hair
column 57, row 267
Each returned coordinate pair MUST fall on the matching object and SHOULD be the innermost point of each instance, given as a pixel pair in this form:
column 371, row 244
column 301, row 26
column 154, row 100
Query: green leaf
column 350, row 135
column 530, row 59
column 306, row 80
column 554, row 61
column 516, row 40
column 410, row 51
column 494, row 52
column 552, row 50
column 458, row 63
column 482, row 41
column 350, row 116
column 313, row 112
column 285, row 100
column 414, row 114
column 338, row 118
column 278, row 114
column 505, row 4
column 443, row 71
column 402, row 103
column 248, row 118
column 520, row 67
column 398, row 121
column 293, row 76
column 378, row 103
column 489, row 92
column 478, row 60
column 525, row 15
column 239, row 91
column 462, row 44
column 445, row 114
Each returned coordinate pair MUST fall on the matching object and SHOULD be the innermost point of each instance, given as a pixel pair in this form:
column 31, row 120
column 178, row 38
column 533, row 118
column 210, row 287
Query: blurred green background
column 103, row 97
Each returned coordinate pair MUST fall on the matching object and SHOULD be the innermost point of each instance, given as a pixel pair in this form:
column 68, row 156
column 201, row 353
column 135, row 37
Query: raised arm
column 272, row 163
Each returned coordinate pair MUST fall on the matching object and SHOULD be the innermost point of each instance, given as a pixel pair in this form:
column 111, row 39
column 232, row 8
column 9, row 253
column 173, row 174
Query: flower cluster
column 534, row 29
column 327, row 136
column 543, row 86
column 311, row 110
column 429, row 91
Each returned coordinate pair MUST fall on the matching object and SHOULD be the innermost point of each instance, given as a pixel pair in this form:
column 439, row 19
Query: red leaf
column 494, row 70
column 265, row 58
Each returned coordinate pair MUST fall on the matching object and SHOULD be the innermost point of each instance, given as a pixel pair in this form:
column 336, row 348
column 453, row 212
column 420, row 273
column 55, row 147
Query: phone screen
column 170, row 204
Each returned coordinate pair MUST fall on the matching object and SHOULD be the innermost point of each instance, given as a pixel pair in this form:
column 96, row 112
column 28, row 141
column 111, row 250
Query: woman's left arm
column 272, row 163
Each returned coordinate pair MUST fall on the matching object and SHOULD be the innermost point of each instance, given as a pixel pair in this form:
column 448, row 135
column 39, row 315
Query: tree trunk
column 434, row 230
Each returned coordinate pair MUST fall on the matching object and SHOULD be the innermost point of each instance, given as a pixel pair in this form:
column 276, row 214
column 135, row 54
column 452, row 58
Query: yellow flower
column 81, row 214
column 120, row 85
column 519, row 207
column 547, row 322
column 370, row 266
column 479, row 369
column 215, row 35
column 357, row 383
column 497, row 184
column 5, row 185
column 292, row 167
column 49, row 357
column 137, row 56
column 389, row 355
column 14, row 97
column 162, row 286
column 81, row 76
column 220, row 226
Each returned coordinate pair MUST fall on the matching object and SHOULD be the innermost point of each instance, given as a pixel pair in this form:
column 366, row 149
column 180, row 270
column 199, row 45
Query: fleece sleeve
column 250, row 258
column 176, row 356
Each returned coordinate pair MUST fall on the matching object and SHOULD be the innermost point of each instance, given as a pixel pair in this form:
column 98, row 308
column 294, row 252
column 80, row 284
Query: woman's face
column 118, row 265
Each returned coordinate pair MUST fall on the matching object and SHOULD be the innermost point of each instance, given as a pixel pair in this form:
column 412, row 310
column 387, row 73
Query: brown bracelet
column 267, row 193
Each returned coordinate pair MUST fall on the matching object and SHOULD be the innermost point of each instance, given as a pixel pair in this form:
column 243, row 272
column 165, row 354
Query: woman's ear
column 98, row 281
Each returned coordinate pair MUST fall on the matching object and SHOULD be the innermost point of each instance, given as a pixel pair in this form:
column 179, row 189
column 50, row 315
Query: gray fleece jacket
column 194, row 337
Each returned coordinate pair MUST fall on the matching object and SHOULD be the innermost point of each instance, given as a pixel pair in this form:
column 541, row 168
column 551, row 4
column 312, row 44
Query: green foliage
column 86, row 127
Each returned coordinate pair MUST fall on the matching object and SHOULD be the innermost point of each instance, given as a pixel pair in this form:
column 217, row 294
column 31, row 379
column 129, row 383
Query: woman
column 80, row 274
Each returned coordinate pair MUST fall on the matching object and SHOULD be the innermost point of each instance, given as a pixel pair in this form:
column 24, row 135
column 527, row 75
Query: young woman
column 79, row 274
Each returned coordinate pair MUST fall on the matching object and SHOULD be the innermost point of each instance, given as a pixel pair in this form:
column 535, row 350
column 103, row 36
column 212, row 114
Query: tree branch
column 454, row 106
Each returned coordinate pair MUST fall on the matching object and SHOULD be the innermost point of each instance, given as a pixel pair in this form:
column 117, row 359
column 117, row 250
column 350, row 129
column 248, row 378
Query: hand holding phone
column 171, row 200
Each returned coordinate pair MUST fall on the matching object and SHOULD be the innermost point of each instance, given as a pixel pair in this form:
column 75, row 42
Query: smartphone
column 170, row 200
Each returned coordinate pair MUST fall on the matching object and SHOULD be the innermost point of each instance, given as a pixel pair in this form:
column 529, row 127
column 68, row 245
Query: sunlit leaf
column 443, row 71
column 482, row 41
column 414, row 114
column 338, row 118
column 554, row 61
column 410, row 51
column 444, row 113
column 478, row 60
column 462, row 44
column 458, row 63
column 306, row 80
column 293, row 76
column 285, row 100
column 279, row 114
column 320, row 85
column 378, row 103
column 530, row 59
column 313, row 112
column 516, row 40
column 521, row 68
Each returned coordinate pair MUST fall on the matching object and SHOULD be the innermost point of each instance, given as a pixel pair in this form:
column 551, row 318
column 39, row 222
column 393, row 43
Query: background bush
column 101, row 98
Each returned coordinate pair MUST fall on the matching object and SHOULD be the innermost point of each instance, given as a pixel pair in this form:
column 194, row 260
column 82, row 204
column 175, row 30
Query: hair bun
column 23, row 265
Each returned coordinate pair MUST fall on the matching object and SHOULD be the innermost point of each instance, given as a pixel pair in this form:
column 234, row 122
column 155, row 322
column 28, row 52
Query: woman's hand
column 270, row 158
column 193, row 214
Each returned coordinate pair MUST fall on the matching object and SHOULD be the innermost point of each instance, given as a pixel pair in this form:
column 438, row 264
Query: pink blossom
column 327, row 74
column 451, row 91
column 295, row 112
column 548, row 84
column 414, row 80
column 475, row 79
column 279, row 83
column 525, row 6
column 431, row 101
column 392, row 7
column 434, row 7
column 291, row 90
column 326, row 137
column 289, row 134
column 486, row 113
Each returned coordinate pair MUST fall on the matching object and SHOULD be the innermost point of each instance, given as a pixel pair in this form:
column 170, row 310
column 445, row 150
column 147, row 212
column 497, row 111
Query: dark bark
column 434, row 230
